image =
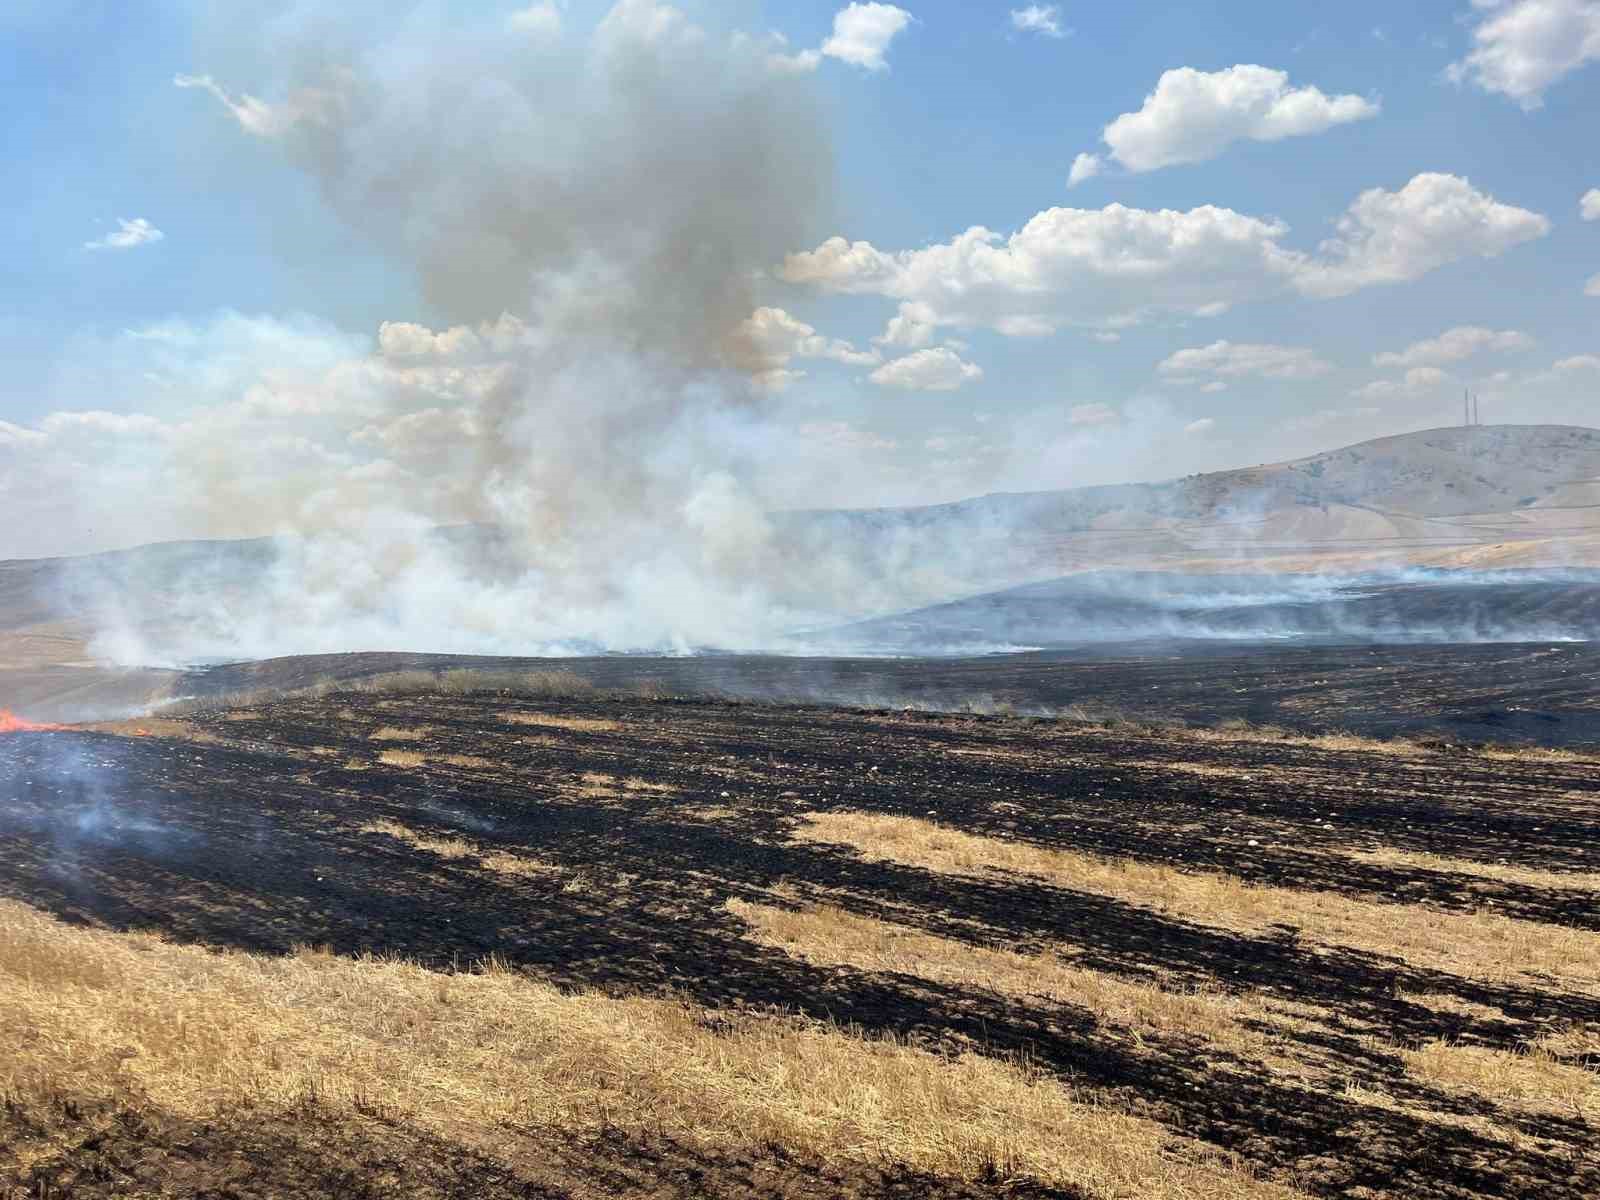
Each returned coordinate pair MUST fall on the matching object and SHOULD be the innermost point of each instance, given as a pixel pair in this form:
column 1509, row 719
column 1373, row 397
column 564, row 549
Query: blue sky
column 941, row 118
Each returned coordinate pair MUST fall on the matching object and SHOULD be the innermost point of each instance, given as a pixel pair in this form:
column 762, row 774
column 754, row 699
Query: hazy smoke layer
column 592, row 215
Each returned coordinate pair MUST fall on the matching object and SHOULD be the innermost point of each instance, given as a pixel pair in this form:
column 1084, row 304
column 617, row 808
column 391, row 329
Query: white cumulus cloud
column 1579, row 362
column 770, row 338
column 1453, row 345
column 1239, row 360
column 862, row 33
column 1413, row 382
column 911, row 328
column 934, row 370
column 1392, row 237
column 1522, row 47
column 1193, row 116
column 1086, row 166
column 128, row 234
column 1042, row 19
column 1592, row 287
column 1112, row 267
column 1202, row 426
column 539, row 20
column 1589, row 206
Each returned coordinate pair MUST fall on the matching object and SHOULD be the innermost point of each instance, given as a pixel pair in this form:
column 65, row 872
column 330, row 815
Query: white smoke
column 593, row 217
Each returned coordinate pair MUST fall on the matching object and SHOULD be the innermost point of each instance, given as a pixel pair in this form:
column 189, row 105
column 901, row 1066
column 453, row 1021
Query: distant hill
column 1493, row 495
column 1500, row 496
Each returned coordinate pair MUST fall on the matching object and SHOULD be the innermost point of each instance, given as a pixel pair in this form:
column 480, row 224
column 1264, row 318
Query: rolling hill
column 1492, row 497
column 1481, row 496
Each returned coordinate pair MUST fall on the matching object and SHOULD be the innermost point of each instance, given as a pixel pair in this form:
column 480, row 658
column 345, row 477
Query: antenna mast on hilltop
column 1466, row 408
column 1477, row 418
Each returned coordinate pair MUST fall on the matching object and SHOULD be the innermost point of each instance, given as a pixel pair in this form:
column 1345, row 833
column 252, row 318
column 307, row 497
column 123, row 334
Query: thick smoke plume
column 592, row 217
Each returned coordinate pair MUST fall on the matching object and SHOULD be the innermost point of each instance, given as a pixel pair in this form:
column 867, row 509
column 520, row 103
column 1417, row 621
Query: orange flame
column 10, row 723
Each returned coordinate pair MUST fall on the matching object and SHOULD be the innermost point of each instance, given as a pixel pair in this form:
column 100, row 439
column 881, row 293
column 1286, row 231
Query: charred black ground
column 1544, row 693
column 256, row 841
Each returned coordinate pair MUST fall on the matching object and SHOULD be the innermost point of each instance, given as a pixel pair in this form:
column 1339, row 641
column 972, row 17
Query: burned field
column 1534, row 693
column 494, row 945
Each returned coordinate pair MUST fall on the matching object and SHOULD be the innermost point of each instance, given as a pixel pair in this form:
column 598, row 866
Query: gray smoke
column 591, row 215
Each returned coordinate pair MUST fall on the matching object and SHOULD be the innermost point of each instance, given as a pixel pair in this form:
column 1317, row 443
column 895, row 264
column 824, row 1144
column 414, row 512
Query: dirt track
column 654, row 815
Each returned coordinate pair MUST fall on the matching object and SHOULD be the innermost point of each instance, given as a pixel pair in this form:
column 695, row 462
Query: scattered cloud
column 1522, row 47
column 1085, row 167
column 1043, row 19
column 265, row 120
column 1589, row 206
column 1453, row 345
column 862, row 33
column 1202, row 426
column 1592, row 287
column 768, row 339
column 1106, row 337
column 1093, row 414
column 1579, row 362
column 647, row 22
column 1239, row 360
column 1413, row 382
column 1394, row 237
column 539, row 20
column 1215, row 386
column 1116, row 266
column 1193, row 116
column 137, row 232
column 934, row 370
column 801, row 63
column 403, row 340
column 911, row 328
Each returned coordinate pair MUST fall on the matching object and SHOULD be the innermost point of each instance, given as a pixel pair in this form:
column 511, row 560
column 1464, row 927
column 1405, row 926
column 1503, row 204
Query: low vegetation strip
column 95, row 1015
column 830, row 936
column 1249, row 1027
column 1477, row 945
column 1534, row 1080
column 499, row 861
column 1585, row 884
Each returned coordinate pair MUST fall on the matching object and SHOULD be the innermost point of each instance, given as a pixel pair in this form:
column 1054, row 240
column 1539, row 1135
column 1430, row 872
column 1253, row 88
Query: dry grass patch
column 470, row 762
column 599, row 785
column 555, row 721
column 94, row 1014
column 161, row 727
column 443, row 847
column 402, row 758
column 501, row 862
column 1532, row 877
column 1443, row 1002
column 1532, row 1080
column 826, row 935
column 1481, row 945
column 393, row 733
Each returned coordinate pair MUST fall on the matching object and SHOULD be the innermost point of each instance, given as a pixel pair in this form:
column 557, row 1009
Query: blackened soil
column 256, row 841
column 1537, row 693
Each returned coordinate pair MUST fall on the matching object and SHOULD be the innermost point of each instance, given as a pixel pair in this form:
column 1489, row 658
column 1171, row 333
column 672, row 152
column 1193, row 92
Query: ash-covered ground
column 1543, row 693
column 1380, row 922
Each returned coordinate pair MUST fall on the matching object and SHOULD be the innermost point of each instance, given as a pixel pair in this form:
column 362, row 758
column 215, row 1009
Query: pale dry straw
column 1481, row 945
column 91, row 1013
column 556, row 721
